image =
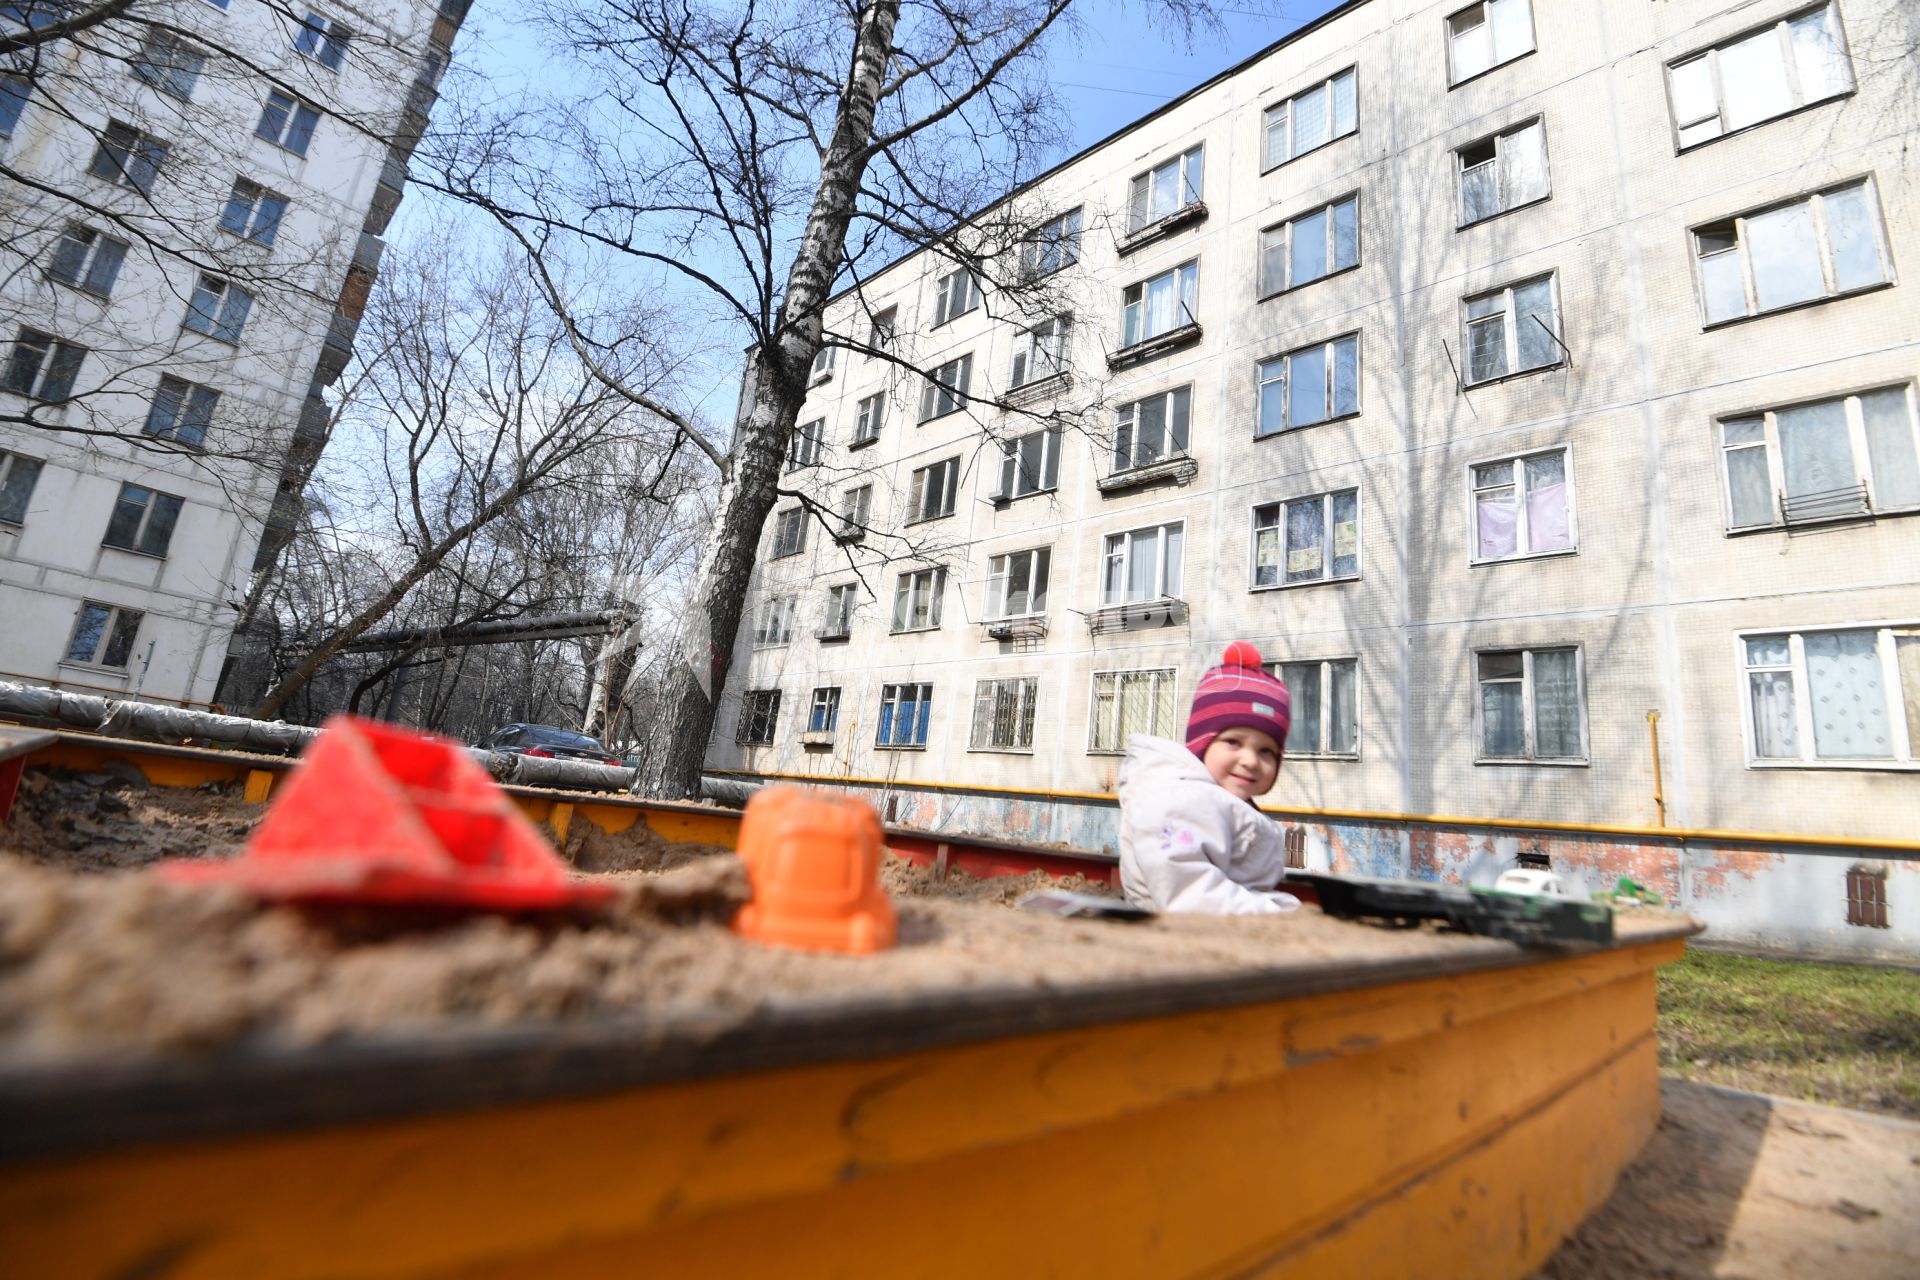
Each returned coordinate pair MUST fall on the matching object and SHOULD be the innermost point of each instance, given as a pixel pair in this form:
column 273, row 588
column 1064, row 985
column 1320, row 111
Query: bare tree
column 758, row 160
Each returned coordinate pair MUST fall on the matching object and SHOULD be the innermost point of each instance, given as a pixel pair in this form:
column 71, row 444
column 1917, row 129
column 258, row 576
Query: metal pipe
column 1659, row 795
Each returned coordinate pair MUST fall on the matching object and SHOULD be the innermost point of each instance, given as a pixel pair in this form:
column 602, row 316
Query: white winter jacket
column 1189, row 844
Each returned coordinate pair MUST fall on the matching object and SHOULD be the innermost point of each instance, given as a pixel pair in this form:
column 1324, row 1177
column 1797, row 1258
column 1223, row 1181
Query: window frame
column 789, row 533
column 1286, row 225
column 856, row 510
column 912, row 596
column 883, row 330
column 1858, row 445
column 1126, row 421
column 1170, row 676
column 946, row 308
column 1328, row 545
column 1267, row 163
column 805, row 444
column 919, row 722
column 1024, row 715
column 138, row 541
column 291, row 125
column 1284, row 382
column 1522, row 520
column 168, row 63
column 1816, row 202
column 86, row 257
column 918, row 511
column 235, row 307
column 1043, row 244
column 1162, row 560
column 54, row 370
column 1885, row 651
column 1009, row 473
column 16, row 91
column 759, row 708
column 824, row 360
column 128, row 156
column 1528, row 708
column 1140, row 215
column 830, row 705
column 939, row 398
column 1032, row 350
column 322, row 39
column 841, row 602
column 12, row 464
column 870, row 415
column 1326, row 666
column 109, row 636
column 1454, row 78
column 1134, row 301
column 1789, row 65
column 253, row 226
column 773, row 622
column 1497, row 138
column 999, row 580
column 1511, row 341
column 190, row 417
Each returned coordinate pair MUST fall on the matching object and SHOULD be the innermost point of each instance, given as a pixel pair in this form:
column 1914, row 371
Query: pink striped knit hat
column 1238, row 694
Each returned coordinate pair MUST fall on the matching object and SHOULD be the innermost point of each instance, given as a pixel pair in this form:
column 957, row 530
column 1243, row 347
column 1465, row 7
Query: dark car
column 548, row 743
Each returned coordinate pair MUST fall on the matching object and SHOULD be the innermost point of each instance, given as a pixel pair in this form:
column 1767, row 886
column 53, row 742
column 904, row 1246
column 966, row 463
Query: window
column 1003, row 714
column 931, row 496
column 789, row 532
column 1165, row 189
column 287, row 122
column 1503, row 172
column 42, row 367
column 856, row 504
column 954, row 294
column 87, row 260
column 1531, row 705
column 1482, row 36
column 1029, row 465
column 129, row 157
column 1160, row 305
column 1320, row 536
column 1051, row 246
column 873, row 412
column 1017, row 584
column 181, row 411
column 1834, row 696
column 916, row 600
column 1818, row 246
column 1512, row 330
column 218, row 309
column 774, row 626
column 1130, row 702
column 1041, row 352
column 1325, row 706
column 946, row 390
column 1142, row 565
column 824, row 715
column 1152, row 430
column 14, row 92
column 823, row 362
column 759, row 714
column 886, row 327
column 169, row 64
column 803, row 446
column 252, row 212
column 1867, row 896
column 838, row 623
column 142, row 521
column 905, row 710
column 1760, row 75
column 17, row 477
column 103, row 635
column 34, row 14
column 1829, row 458
column 1522, row 506
column 1314, row 384
column 1311, row 246
column 322, row 39
column 1310, row 119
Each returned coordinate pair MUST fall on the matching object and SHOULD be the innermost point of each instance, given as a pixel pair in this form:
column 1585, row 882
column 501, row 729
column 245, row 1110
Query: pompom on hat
column 1238, row 694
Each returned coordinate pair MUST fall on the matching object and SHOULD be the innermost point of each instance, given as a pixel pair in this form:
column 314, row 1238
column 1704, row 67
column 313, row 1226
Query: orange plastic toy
column 379, row 814
column 814, row 862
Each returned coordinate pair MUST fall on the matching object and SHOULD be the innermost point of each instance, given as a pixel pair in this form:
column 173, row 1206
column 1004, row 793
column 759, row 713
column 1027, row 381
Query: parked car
column 547, row 743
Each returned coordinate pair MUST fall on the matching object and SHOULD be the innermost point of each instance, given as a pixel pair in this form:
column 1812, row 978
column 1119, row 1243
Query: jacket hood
column 1158, row 762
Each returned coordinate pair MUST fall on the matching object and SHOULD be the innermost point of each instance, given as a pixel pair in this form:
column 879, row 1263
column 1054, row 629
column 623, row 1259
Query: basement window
column 1867, row 897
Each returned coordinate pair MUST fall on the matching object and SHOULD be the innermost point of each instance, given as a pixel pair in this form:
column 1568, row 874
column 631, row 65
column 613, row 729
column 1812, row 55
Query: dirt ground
column 1742, row 1185
column 114, row 821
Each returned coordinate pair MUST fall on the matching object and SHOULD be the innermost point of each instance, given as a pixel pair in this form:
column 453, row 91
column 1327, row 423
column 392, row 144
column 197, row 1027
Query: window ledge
column 1305, row 426
column 1305, row 582
column 1541, row 764
column 1002, row 500
column 1039, row 388
column 120, row 674
column 913, row 631
column 212, row 337
column 1027, row 626
column 1692, row 147
column 1341, row 757
column 944, row 515
column 133, row 551
column 1178, row 470
column 1310, row 151
column 1304, row 284
column 846, row 537
column 819, row 379
column 751, row 743
column 833, row 637
column 1159, row 344
column 967, row 403
column 1509, row 377
column 1869, row 516
column 1481, row 75
column 899, row 746
column 1138, row 615
column 1554, row 554
column 864, row 442
column 1000, row 751
column 1499, row 214
column 941, row 324
column 1872, row 766
column 816, row 737
column 1184, row 216
column 1717, row 325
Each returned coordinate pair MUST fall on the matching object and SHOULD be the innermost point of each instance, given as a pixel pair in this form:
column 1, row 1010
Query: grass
column 1847, row 1035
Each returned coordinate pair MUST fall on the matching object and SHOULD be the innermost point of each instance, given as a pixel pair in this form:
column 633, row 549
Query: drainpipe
column 1659, row 795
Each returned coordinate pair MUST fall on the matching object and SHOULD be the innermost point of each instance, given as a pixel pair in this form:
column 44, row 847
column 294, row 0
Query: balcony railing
column 1138, row 615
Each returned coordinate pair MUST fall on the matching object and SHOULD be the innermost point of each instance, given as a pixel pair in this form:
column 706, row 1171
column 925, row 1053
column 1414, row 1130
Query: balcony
column 1043, row 388
column 1138, row 615
column 1178, row 469
column 1153, row 232
column 834, row 633
column 847, row 531
column 1027, row 628
column 1158, row 345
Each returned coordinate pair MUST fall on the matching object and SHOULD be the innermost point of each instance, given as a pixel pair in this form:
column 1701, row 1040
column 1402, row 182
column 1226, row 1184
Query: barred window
column 1867, row 896
column 759, row 713
column 1003, row 714
column 905, row 710
column 1129, row 702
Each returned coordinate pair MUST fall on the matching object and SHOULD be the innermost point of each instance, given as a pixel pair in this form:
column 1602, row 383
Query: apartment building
column 1525, row 378
column 195, row 194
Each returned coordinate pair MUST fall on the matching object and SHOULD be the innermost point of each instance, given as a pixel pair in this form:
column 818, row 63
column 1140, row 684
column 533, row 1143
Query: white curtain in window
column 1342, row 710
column 1143, row 566
column 1747, row 479
column 1785, row 256
column 1815, row 451
column 1136, row 707
column 1496, row 515
column 1547, row 524
column 1850, row 232
column 1846, row 695
column 1303, row 684
column 1523, row 165
column 1890, row 448
column 1310, row 120
column 1160, row 306
column 1306, row 539
column 1502, row 722
column 1556, row 704
column 1776, row 734
column 1907, row 655
column 1533, row 313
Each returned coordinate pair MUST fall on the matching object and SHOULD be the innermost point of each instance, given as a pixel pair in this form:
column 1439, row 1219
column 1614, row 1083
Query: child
column 1190, row 836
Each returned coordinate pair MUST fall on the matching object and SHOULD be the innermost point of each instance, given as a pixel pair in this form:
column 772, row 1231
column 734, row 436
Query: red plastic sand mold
column 379, row 814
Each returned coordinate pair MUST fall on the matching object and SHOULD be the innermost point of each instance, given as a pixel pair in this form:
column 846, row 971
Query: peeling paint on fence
column 1771, row 894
